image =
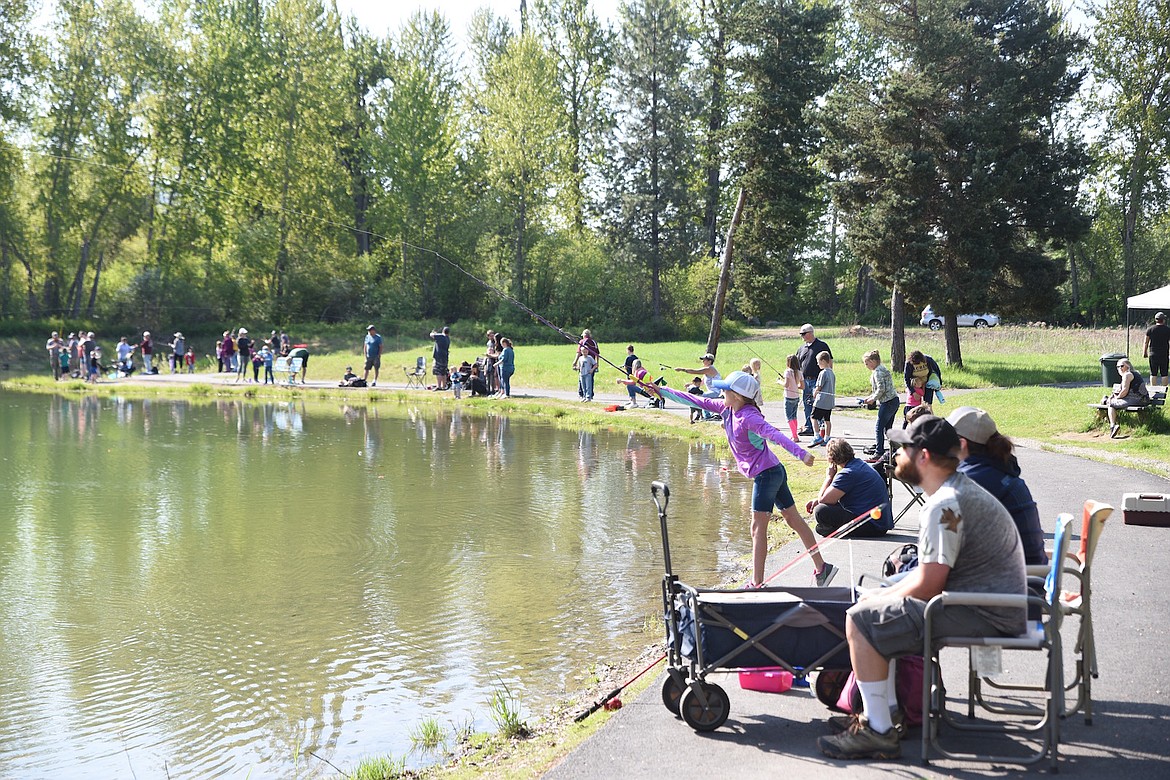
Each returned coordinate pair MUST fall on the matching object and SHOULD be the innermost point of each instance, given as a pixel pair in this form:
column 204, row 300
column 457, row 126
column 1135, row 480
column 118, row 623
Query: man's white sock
column 877, row 706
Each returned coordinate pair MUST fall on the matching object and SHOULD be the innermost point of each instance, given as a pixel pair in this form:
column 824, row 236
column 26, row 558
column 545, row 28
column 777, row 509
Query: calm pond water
column 213, row 588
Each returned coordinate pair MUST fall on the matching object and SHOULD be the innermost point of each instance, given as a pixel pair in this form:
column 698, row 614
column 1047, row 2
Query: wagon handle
column 665, row 502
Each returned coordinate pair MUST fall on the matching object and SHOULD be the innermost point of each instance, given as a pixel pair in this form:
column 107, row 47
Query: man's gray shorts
column 895, row 626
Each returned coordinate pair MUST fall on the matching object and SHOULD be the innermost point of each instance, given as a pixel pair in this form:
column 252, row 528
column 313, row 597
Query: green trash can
column 1110, row 376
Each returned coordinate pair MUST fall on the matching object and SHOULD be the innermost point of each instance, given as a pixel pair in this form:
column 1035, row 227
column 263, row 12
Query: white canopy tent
column 1154, row 299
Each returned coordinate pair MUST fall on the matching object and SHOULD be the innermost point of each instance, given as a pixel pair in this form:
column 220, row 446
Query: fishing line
column 757, row 354
column 330, row 223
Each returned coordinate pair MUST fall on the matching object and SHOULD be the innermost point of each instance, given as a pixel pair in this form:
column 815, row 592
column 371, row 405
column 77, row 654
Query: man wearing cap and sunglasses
column 710, row 375
column 966, row 542
column 806, row 356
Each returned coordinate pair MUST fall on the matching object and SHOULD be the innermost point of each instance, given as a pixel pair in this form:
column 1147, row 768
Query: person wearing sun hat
column 988, row 459
column 747, row 434
column 710, row 375
column 967, row 542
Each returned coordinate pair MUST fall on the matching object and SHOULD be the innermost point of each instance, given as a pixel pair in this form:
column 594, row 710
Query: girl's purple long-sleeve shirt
column 747, row 432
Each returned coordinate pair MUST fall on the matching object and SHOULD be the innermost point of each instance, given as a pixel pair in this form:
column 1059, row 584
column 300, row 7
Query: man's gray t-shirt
column 965, row 527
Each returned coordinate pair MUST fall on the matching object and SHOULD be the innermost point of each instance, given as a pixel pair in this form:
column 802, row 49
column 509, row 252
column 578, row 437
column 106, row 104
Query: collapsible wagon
column 801, row 630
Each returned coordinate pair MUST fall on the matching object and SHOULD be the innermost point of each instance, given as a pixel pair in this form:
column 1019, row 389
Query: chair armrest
column 949, row 598
column 1037, row 570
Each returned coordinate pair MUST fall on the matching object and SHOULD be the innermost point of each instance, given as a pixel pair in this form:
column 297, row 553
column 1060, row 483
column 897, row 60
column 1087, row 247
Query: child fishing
column 747, row 433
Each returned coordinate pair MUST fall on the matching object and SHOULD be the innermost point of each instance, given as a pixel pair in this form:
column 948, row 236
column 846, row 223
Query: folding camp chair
column 1079, row 565
column 415, row 376
column 885, row 467
column 1045, row 639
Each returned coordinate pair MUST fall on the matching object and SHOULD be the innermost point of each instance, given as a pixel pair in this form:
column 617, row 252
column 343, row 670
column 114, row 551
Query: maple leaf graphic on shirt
column 951, row 520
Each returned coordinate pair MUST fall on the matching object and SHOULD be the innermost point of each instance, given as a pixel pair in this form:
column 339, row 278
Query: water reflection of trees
column 269, row 567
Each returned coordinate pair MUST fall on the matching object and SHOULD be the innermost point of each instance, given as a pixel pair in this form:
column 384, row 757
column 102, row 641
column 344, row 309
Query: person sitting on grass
column 851, row 487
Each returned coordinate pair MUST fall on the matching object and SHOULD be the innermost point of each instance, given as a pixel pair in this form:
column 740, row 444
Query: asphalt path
column 774, row 735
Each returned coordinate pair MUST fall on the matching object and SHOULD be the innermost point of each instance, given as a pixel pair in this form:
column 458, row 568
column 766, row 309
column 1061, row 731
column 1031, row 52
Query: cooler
column 1146, row 509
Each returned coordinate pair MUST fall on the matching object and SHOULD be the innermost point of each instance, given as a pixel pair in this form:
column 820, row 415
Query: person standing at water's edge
column 54, row 346
column 747, row 433
column 372, row 347
column 507, row 368
column 810, row 370
column 440, row 355
column 244, row 358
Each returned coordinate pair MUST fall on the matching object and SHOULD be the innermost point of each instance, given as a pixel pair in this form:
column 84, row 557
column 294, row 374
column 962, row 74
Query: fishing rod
column 333, row 223
column 838, row 534
column 604, row 700
column 761, row 357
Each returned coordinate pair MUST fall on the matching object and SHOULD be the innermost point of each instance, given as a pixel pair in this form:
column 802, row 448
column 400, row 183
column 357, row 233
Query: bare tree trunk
column 724, row 277
column 897, row 330
column 954, row 352
column 97, row 275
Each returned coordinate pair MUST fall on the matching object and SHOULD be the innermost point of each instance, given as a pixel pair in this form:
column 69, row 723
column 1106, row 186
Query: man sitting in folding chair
column 966, row 542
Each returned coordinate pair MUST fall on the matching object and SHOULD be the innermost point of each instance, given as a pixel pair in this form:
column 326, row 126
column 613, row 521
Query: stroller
column 800, row 630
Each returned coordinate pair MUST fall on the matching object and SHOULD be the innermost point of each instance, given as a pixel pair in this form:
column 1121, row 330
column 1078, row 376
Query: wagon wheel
column 672, row 692
column 706, row 718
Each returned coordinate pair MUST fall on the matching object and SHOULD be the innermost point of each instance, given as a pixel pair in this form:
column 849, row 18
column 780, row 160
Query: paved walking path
column 770, row 736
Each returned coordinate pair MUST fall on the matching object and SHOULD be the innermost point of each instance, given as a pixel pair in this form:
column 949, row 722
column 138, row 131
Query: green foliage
column 653, row 214
column 782, row 70
column 504, row 709
column 428, row 735
column 953, row 181
column 379, row 768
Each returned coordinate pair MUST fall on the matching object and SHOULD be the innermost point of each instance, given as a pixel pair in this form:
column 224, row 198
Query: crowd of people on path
column 80, row 356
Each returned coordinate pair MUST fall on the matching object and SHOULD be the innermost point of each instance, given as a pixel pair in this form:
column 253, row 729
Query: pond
column 214, row 588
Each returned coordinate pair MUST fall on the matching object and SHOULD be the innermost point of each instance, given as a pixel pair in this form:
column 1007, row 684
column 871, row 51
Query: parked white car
column 935, row 321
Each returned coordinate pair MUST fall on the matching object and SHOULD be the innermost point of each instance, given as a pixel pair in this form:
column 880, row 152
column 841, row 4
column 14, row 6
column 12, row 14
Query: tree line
column 271, row 159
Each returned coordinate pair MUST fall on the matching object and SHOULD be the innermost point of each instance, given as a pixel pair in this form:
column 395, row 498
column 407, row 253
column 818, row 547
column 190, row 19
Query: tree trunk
column 714, row 129
column 724, row 277
column 76, row 290
column 1074, row 281
column 97, row 275
column 954, row 352
column 897, row 331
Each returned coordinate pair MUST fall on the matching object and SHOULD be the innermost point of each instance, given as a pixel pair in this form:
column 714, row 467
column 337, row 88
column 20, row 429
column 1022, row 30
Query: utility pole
column 724, row 276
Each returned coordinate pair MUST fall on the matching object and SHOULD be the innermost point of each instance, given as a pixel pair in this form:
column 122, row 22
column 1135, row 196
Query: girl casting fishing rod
column 748, row 433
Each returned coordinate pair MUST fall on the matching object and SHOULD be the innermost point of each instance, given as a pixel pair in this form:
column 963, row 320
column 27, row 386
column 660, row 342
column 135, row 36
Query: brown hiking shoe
column 862, row 742
column 841, row 723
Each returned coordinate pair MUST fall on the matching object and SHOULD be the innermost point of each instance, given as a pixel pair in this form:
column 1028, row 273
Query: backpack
column 837, row 689
column 902, row 559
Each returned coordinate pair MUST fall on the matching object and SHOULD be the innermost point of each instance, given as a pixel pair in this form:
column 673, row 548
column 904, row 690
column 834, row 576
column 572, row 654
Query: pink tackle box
column 768, row 679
